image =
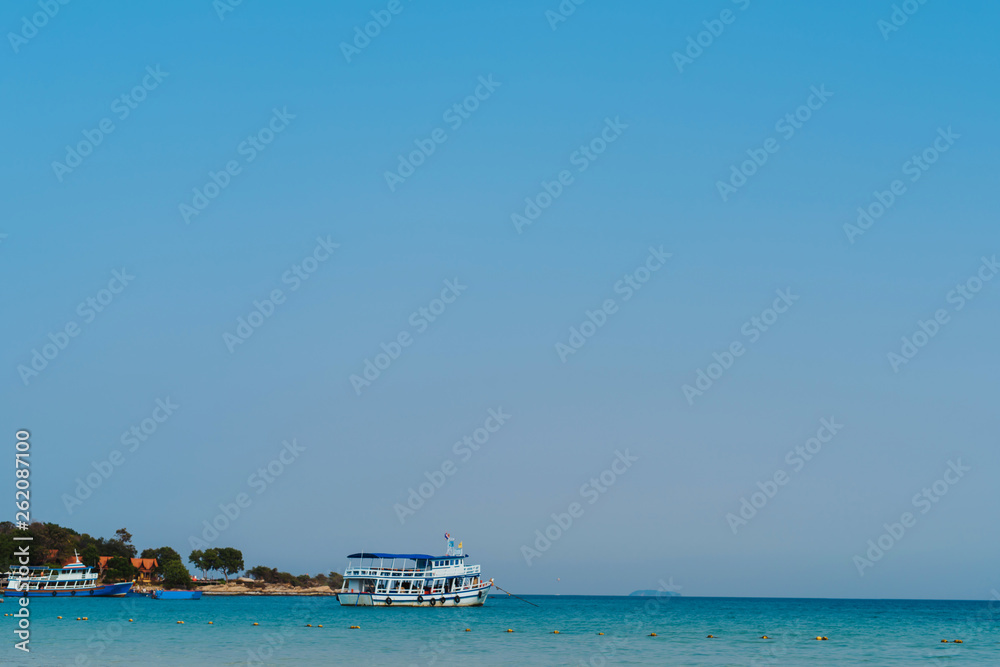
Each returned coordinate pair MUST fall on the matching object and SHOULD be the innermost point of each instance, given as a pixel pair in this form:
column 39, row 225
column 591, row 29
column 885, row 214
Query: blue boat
column 176, row 595
column 72, row 580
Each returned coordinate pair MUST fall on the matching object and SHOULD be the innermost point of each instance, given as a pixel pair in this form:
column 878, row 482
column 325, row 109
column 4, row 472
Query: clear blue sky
column 495, row 346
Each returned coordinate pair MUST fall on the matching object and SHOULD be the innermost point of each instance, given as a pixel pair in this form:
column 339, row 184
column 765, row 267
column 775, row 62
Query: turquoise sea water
column 873, row 632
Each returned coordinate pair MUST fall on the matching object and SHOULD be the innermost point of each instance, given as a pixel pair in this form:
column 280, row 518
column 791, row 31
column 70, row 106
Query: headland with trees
column 53, row 545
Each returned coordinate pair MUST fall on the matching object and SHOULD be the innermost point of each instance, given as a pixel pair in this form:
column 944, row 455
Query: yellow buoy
column 711, row 637
column 211, row 622
column 319, row 626
column 256, row 623
column 355, row 627
column 818, row 638
column 555, row 632
column 468, row 629
column 600, row 633
column 652, row 634
column 958, row 641
column 308, row 625
column 825, row 638
column 85, row 618
column 58, row 616
column 180, row 622
column 509, row 630
column 130, row 620
column 764, row 637
column 944, row 641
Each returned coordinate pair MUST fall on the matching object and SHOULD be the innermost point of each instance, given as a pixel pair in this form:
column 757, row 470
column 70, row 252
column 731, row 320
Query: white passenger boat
column 419, row 580
column 72, row 580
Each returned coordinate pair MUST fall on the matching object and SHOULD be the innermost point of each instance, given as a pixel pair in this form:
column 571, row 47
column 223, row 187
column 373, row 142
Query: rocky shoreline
column 258, row 588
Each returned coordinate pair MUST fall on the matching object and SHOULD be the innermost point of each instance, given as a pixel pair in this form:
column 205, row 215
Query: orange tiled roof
column 142, row 564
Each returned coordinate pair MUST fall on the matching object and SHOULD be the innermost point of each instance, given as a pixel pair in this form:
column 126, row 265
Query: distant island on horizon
column 651, row 593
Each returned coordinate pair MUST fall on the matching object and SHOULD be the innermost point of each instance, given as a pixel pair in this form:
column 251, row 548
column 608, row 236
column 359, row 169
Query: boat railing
column 56, row 577
column 437, row 589
column 386, row 572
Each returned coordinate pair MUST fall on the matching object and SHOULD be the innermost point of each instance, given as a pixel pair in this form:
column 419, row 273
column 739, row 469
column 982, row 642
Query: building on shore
column 146, row 569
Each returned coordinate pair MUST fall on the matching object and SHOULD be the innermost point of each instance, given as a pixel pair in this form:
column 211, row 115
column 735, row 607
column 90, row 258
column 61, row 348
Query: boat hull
column 105, row 591
column 176, row 595
column 355, row 599
column 474, row 597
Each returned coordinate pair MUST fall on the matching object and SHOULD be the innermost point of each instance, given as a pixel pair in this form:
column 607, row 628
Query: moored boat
column 72, row 580
column 176, row 595
column 421, row 580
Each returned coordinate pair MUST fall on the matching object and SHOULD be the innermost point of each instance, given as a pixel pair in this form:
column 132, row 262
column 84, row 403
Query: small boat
column 421, row 580
column 72, row 580
column 176, row 595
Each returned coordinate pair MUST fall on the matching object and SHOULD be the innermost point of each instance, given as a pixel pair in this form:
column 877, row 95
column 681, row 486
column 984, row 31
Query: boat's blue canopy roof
column 410, row 556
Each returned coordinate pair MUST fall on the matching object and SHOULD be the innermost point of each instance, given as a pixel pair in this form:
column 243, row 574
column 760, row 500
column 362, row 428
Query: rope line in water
column 512, row 595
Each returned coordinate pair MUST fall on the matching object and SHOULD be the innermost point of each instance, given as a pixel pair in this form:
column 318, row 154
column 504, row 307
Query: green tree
column 197, row 558
column 175, row 575
column 125, row 537
column 120, row 545
column 53, row 543
column 230, row 561
column 211, row 559
column 163, row 555
column 86, row 546
column 262, row 573
column 90, row 555
column 335, row 580
column 7, row 546
column 119, row 569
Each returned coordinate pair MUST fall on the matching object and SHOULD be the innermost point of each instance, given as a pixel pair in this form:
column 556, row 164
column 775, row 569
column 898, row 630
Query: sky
column 636, row 276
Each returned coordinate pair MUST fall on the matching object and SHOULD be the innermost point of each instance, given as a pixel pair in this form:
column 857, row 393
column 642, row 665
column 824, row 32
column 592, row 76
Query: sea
column 547, row 630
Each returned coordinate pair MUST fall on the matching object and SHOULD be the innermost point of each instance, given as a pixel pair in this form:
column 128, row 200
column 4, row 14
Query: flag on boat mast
column 452, row 550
